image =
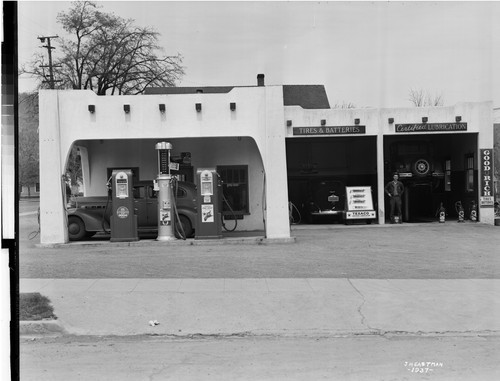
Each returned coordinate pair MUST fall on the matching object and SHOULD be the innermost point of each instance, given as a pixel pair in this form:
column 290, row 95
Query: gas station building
column 273, row 146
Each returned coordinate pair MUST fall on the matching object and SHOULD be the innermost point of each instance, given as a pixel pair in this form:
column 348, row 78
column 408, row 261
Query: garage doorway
column 434, row 169
column 320, row 167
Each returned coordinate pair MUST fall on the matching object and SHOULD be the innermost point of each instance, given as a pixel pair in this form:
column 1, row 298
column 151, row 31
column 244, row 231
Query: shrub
column 34, row 306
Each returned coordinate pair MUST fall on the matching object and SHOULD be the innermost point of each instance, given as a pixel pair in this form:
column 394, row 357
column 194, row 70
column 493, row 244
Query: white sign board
column 362, row 214
column 207, row 213
column 486, row 201
column 359, row 202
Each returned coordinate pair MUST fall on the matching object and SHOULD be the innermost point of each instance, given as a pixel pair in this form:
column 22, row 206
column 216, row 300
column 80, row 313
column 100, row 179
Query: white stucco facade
column 254, row 134
column 478, row 116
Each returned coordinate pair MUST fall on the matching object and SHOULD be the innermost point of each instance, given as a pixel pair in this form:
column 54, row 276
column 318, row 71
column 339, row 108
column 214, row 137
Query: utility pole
column 51, row 80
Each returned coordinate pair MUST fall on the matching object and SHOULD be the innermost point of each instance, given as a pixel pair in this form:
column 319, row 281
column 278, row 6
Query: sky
column 370, row 54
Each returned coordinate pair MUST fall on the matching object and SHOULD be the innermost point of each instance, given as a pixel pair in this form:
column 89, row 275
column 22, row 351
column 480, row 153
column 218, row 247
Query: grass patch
column 34, row 306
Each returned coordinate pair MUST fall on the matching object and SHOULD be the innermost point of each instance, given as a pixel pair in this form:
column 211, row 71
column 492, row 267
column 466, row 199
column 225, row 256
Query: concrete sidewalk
column 271, row 306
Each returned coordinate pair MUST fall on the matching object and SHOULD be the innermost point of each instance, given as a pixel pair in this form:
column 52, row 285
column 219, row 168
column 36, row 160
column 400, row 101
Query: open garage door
column 435, row 169
column 318, row 171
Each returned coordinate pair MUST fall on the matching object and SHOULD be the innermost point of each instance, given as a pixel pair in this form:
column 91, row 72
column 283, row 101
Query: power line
column 51, row 80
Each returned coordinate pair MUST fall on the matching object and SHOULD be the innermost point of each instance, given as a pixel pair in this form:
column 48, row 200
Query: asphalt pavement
column 408, row 251
column 258, row 300
column 353, row 358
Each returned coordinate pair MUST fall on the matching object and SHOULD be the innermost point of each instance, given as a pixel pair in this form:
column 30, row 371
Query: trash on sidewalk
column 153, row 323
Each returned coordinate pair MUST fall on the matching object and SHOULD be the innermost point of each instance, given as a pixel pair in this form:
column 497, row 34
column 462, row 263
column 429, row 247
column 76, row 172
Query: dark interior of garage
column 435, row 169
column 320, row 167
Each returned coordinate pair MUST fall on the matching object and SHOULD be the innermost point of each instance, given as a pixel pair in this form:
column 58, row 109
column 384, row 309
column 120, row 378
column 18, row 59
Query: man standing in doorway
column 395, row 189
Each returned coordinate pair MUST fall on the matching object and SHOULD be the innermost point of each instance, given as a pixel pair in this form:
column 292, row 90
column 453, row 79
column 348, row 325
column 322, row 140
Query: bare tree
column 421, row 98
column 343, row 105
column 73, row 172
column 107, row 54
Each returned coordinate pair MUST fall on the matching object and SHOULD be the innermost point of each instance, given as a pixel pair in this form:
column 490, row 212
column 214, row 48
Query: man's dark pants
column 396, row 207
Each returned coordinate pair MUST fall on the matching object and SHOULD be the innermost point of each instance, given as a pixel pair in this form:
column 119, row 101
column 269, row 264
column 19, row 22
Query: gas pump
column 165, row 207
column 208, row 218
column 123, row 218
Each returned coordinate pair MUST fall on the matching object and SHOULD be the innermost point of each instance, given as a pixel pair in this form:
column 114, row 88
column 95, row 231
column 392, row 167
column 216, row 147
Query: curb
column 40, row 327
column 52, row 328
column 177, row 242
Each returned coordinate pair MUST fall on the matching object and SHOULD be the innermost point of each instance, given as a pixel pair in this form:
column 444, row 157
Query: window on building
column 469, row 173
column 447, row 175
column 235, row 188
column 139, row 192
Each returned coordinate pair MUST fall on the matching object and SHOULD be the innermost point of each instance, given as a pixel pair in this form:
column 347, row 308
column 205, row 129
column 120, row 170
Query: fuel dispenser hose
column 232, row 213
column 224, row 200
column 179, row 229
column 108, row 184
column 33, row 234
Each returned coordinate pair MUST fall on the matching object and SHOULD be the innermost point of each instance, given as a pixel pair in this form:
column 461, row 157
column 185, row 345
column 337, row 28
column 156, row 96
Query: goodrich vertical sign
column 486, row 191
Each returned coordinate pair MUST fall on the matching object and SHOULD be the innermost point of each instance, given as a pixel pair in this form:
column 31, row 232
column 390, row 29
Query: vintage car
column 326, row 202
column 89, row 215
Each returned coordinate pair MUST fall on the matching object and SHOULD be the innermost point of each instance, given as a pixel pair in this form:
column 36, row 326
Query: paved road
column 261, row 358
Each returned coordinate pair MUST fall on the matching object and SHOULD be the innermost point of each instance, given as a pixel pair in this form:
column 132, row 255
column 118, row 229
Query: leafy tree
column 28, row 169
column 107, row 54
column 421, row 98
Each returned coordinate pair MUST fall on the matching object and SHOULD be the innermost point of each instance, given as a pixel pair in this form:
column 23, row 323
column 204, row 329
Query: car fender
column 92, row 218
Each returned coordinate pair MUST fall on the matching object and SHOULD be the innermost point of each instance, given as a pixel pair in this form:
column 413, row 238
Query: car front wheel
column 186, row 226
column 76, row 229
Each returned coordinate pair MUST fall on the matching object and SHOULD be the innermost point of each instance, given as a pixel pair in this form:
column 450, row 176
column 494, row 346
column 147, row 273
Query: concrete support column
column 277, row 219
column 274, row 158
column 52, row 203
column 485, row 171
column 380, row 179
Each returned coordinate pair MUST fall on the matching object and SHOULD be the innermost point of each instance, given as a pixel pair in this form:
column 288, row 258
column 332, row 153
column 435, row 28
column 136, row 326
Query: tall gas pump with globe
column 165, row 199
